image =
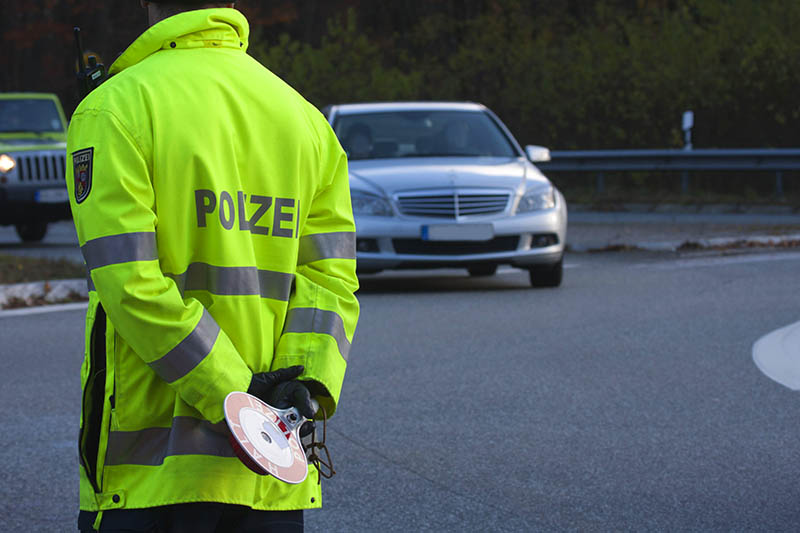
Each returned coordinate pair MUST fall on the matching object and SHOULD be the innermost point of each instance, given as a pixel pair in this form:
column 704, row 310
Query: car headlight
column 537, row 199
column 6, row 163
column 370, row 204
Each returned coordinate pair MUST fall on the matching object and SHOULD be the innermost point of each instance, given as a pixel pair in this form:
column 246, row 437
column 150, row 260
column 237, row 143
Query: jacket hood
column 199, row 28
column 392, row 176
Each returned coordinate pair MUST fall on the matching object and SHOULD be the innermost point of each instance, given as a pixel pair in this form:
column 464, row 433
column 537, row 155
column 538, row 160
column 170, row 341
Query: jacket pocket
column 93, row 399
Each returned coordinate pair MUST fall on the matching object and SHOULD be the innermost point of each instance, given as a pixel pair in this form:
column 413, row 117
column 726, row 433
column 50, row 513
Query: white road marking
column 43, row 309
column 777, row 355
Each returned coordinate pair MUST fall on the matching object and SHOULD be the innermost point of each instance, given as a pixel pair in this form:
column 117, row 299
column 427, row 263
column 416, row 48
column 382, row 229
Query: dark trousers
column 194, row 518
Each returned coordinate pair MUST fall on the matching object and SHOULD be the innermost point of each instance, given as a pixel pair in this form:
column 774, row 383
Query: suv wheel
column 31, row 231
column 547, row 275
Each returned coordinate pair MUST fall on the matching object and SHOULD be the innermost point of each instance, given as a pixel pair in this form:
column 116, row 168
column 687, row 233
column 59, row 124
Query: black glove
column 281, row 390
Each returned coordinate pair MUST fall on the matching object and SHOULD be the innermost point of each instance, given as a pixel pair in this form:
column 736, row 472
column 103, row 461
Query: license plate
column 458, row 232
column 51, row 196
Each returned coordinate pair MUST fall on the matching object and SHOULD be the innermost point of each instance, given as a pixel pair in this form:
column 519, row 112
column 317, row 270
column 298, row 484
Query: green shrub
column 609, row 77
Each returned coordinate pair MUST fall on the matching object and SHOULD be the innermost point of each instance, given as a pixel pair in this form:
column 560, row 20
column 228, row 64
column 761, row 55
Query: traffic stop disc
column 266, row 439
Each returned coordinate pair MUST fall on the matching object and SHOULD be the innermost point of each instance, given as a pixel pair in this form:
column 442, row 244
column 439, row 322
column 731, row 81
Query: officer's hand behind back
column 281, row 389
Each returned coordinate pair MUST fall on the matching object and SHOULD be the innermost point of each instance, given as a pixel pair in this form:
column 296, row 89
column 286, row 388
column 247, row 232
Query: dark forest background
column 566, row 74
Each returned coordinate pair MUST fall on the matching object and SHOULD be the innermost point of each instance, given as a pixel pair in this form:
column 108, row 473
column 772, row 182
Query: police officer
column 212, row 207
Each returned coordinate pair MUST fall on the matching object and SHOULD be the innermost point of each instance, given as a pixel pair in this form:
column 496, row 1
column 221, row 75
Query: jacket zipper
column 93, row 399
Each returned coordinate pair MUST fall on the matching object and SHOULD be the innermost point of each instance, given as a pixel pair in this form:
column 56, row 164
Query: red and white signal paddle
column 266, row 439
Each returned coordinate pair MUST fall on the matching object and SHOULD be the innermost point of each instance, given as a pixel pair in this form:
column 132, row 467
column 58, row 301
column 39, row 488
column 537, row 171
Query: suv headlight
column 370, row 204
column 537, row 199
column 6, row 163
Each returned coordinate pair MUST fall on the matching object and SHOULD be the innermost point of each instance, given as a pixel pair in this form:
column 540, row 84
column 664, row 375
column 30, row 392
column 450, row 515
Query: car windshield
column 29, row 115
column 416, row 133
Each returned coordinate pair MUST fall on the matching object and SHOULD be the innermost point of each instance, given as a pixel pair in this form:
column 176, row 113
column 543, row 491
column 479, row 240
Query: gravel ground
column 589, row 230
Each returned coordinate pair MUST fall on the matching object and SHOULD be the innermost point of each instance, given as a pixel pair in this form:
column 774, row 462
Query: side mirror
column 537, row 154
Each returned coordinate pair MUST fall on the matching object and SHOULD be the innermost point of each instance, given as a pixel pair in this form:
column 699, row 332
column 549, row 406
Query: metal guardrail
column 776, row 160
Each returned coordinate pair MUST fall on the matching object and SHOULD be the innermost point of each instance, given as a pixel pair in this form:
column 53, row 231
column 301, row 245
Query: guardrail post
column 685, row 182
column 600, row 186
column 779, row 184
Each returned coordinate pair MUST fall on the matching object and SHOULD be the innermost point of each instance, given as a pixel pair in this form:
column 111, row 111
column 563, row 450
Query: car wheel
column 31, row 231
column 547, row 275
column 482, row 270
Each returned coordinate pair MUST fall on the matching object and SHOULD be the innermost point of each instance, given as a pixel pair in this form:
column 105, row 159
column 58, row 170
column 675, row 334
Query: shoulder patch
column 82, row 166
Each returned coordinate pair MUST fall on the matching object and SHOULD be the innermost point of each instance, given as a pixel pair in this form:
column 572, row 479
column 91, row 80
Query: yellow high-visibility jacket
column 213, row 211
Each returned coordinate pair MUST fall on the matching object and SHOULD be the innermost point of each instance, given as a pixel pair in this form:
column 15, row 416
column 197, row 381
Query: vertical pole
column 779, row 184
column 688, row 124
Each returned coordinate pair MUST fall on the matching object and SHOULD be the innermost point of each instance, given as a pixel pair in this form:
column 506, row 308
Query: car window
column 29, row 114
column 421, row 134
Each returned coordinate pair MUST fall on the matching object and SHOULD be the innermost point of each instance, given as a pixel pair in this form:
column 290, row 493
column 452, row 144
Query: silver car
column 447, row 185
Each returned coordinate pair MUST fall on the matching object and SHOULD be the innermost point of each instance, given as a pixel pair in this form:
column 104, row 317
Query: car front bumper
column 45, row 202
column 520, row 240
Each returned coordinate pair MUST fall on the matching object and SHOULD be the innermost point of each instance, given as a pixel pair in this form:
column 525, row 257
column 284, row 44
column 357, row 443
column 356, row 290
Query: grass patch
column 613, row 198
column 20, row 269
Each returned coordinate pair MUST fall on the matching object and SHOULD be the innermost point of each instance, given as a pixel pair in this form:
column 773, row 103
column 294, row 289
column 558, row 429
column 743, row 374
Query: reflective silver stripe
column 123, row 248
column 189, row 352
column 235, row 281
column 187, row 436
column 312, row 320
column 339, row 245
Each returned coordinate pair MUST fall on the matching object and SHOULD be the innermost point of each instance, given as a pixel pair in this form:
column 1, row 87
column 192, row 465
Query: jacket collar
column 199, row 28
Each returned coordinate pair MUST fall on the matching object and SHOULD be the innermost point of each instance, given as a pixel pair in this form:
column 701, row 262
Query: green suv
column 33, row 142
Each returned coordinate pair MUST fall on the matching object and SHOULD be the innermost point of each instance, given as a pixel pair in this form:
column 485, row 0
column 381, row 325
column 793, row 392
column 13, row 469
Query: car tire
column 481, row 270
column 31, row 231
column 547, row 275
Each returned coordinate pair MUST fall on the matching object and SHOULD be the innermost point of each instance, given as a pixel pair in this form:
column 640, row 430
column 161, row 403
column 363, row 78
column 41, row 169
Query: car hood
column 390, row 176
column 19, row 143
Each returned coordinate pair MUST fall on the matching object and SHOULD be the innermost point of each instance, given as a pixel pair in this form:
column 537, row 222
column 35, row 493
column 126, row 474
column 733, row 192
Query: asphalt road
column 626, row 400
column 59, row 242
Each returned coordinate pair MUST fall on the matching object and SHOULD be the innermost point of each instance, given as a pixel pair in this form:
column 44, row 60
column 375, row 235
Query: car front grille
column 453, row 204
column 42, row 166
column 420, row 247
